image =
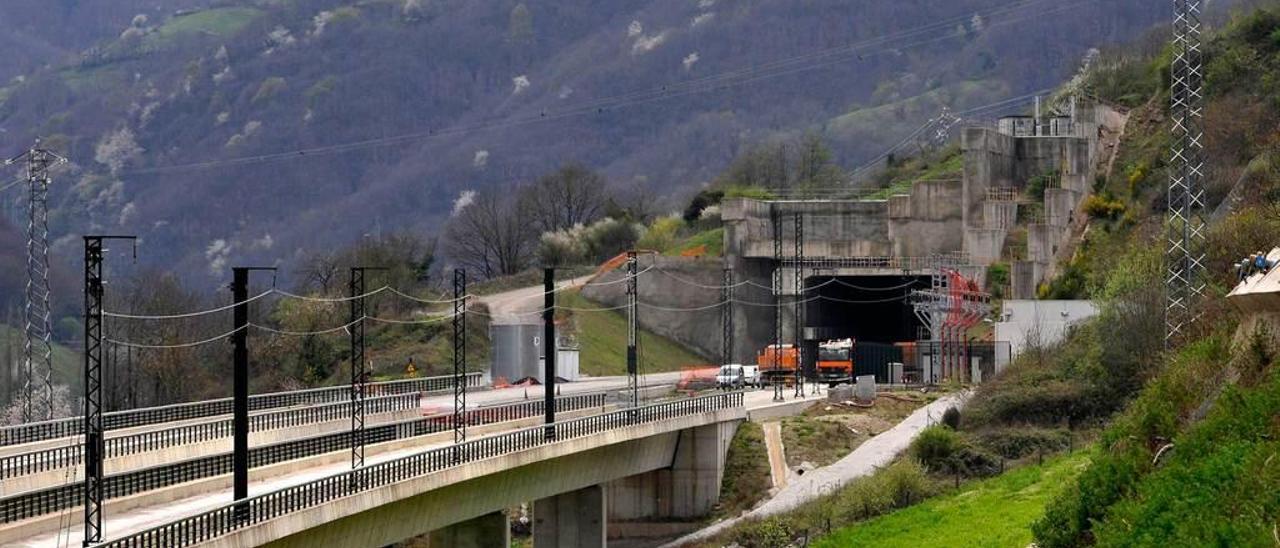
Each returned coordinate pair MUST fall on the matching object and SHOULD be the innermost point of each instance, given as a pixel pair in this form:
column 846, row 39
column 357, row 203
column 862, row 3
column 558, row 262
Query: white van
column 735, row 376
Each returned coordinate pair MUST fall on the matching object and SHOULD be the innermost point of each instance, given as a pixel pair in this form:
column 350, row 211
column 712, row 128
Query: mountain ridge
column 161, row 118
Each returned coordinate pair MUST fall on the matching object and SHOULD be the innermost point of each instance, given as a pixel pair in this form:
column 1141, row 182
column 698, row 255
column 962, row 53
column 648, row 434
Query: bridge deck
column 150, row 516
column 218, row 484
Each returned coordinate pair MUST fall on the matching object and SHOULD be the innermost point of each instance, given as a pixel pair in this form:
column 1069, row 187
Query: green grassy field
column 713, row 240
column 951, row 167
column 66, row 361
column 222, row 22
column 994, row 512
column 603, row 338
column 959, row 95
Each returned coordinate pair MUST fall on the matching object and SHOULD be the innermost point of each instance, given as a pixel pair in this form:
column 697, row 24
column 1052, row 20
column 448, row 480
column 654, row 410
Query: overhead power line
column 273, row 291
column 184, row 315
column 173, row 346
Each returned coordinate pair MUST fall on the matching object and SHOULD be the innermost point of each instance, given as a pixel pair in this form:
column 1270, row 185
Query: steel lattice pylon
column 1185, row 252
column 93, row 441
column 37, row 350
column 798, row 330
column 633, row 356
column 726, row 318
column 775, row 218
column 459, row 356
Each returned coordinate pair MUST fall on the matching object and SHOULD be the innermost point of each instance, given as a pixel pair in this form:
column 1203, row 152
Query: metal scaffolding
column 459, row 355
column 948, row 309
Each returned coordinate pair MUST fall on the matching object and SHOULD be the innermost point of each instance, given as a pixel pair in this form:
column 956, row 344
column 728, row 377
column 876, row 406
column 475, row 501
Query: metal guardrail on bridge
column 72, row 455
column 947, row 260
column 38, row 503
column 221, row 521
column 73, row 426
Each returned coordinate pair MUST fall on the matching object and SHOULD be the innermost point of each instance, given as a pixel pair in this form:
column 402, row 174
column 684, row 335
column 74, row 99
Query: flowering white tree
column 115, row 149
column 40, row 404
column 414, row 9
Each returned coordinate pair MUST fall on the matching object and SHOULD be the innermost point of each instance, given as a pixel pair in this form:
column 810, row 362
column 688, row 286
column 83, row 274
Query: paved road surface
column 521, row 305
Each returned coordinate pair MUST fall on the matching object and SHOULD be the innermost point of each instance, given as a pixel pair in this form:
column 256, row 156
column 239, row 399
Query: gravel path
column 866, row 459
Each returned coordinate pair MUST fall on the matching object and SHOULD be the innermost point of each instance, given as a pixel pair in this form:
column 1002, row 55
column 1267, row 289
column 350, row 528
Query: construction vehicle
column 834, row 363
column 777, row 364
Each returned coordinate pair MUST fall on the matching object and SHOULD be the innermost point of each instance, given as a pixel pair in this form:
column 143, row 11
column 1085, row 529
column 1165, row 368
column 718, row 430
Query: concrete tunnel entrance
column 874, row 311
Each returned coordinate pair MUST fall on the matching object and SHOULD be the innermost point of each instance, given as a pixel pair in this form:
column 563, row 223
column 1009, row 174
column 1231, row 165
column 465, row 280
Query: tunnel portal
column 872, row 309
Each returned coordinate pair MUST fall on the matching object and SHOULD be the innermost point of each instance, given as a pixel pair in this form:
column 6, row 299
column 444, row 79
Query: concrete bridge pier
column 688, row 489
column 576, row 519
column 487, row 531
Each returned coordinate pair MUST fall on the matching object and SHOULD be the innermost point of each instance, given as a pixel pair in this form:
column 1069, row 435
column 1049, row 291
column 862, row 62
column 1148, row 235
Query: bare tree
column 637, row 203
column 491, row 236
column 319, row 272
column 572, row 195
column 162, row 376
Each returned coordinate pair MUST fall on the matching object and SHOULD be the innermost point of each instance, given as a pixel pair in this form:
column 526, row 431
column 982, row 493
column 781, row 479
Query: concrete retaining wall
column 1060, row 205
column 661, row 286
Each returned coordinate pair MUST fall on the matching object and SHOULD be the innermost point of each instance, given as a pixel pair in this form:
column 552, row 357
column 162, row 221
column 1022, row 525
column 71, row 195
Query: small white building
column 1027, row 322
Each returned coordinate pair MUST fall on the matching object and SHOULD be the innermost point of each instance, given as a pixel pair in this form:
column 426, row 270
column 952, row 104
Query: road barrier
column 73, row 426
column 221, row 521
column 38, row 503
column 72, row 455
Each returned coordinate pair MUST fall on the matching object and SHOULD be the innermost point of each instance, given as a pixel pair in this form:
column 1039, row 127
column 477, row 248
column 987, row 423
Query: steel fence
column 37, row 503
column 981, row 360
column 221, row 521
column 73, row 426
column 61, row 457
column 876, row 359
column 833, row 264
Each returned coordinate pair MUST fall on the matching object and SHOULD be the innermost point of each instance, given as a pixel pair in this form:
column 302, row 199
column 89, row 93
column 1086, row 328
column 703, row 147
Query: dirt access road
column 522, row 305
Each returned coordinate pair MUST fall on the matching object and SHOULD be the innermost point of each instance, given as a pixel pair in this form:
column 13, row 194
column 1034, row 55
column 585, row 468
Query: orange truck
column 778, row 364
column 834, row 362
